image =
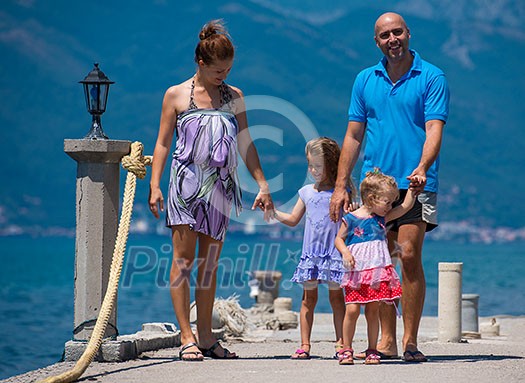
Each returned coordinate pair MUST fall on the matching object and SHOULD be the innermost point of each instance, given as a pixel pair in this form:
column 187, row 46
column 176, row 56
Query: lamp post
column 96, row 89
column 97, row 206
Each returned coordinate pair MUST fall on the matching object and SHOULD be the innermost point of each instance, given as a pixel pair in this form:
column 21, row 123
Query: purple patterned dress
column 203, row 179
column 320, row 259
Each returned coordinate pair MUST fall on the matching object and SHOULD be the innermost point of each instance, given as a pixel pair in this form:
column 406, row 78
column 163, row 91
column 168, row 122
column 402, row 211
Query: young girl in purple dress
column 320, row 261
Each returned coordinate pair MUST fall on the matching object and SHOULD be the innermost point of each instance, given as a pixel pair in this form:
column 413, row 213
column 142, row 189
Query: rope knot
column 135, row 162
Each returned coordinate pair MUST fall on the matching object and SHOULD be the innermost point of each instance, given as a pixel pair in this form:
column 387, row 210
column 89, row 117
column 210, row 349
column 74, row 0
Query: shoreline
column 29, row 346
column 265, row 356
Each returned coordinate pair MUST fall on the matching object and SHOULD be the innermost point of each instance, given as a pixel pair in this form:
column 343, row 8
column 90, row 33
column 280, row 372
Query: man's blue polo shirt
column 395, row 116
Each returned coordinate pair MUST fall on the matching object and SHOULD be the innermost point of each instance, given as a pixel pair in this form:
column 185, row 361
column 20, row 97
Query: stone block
column 110, row 351
column 165, row 328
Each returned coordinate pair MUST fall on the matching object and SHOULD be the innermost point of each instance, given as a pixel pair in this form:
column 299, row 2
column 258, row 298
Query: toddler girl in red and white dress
column 371, row 277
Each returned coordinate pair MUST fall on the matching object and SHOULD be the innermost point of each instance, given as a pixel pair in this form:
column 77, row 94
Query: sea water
column 37, row 277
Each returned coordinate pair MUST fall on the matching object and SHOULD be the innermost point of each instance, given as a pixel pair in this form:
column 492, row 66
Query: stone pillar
column 449, row 302
column 97, row 208
column 268, row 285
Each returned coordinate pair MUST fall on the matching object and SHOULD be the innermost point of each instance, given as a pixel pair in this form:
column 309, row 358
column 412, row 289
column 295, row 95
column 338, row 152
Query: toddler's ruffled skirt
column 379, row 284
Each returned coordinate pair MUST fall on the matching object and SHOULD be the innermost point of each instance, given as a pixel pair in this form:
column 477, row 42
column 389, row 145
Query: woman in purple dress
column 211, row 126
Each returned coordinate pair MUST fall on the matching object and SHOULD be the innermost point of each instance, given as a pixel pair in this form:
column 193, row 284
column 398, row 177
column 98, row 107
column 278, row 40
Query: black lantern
column 96, row 89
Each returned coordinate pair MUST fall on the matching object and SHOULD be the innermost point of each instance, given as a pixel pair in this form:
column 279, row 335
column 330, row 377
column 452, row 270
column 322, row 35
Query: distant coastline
column 456, row 231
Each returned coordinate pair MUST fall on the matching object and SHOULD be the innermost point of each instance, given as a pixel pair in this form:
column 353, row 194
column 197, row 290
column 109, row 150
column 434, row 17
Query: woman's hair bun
column 214, row 27
column 214, row 43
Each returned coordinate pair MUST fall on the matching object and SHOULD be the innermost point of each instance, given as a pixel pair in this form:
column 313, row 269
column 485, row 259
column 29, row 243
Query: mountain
column 295, row 62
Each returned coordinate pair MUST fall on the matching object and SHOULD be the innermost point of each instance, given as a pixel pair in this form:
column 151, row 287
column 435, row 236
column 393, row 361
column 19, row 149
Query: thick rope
column 136, row 164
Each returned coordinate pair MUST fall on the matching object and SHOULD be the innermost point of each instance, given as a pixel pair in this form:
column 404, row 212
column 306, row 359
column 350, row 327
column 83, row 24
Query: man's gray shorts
column 424, row 210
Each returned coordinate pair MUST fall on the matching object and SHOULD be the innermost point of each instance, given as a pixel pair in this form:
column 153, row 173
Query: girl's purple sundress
column 320, row 260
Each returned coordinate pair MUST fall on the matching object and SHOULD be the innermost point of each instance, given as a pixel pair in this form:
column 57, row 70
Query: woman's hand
column 264, row 201
column 156, row 201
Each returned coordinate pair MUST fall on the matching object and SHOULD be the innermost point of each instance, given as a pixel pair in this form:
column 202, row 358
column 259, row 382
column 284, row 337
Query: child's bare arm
column 348, row 259
column 408, row 203
column 293, row 218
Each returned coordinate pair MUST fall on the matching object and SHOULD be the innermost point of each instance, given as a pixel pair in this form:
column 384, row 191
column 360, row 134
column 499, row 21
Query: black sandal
column 210, row 352
column 414, row 356
column 199, row 357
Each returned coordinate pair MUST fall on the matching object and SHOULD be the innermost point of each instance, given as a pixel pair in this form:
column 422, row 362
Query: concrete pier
column 97, row 208
column 265, row 357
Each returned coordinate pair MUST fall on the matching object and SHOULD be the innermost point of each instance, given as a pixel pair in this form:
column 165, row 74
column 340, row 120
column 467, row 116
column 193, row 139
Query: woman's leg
column 337, row 301
column 306, row 316
column 184, row 241
column 208, row 261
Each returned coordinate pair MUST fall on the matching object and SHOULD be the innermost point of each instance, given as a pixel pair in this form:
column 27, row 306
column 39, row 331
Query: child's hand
column 414, row 192
column 348, row 260
column 417, row 179
column 417, row 183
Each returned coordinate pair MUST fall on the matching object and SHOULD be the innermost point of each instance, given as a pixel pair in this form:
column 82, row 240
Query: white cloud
column 456, row 50
column 318, row 17
column 48, row 48
column 470, row 21
column 26, row 3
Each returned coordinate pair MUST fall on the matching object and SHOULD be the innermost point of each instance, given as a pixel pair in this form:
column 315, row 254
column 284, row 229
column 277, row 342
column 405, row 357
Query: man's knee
column 410, row 257
column 411, row 247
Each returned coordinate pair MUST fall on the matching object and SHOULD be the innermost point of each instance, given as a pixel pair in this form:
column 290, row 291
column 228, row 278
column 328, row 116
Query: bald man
column 401, row 105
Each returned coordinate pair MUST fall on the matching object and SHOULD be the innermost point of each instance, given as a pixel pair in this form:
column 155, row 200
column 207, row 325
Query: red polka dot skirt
column 384, row 291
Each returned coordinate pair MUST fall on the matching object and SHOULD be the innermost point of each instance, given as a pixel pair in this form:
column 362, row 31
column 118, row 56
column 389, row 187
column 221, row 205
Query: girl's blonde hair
column 329, row 150
column 375, row 185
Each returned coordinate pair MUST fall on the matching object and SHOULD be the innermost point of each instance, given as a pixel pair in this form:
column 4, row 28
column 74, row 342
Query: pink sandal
column 301, row 354
column 372, row 357
column 346, row 356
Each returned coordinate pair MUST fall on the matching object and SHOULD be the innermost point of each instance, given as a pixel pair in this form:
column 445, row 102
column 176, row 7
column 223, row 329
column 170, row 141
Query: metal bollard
column 469, row 314
column 449, row 302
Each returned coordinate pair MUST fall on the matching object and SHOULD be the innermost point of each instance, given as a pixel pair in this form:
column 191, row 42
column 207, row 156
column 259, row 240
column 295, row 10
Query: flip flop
column 415, row 356
column 182, row 353
column 362, row 355
column 210, row 352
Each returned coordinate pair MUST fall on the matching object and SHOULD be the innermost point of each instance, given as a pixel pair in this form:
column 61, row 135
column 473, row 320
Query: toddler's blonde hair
column 375, row 185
